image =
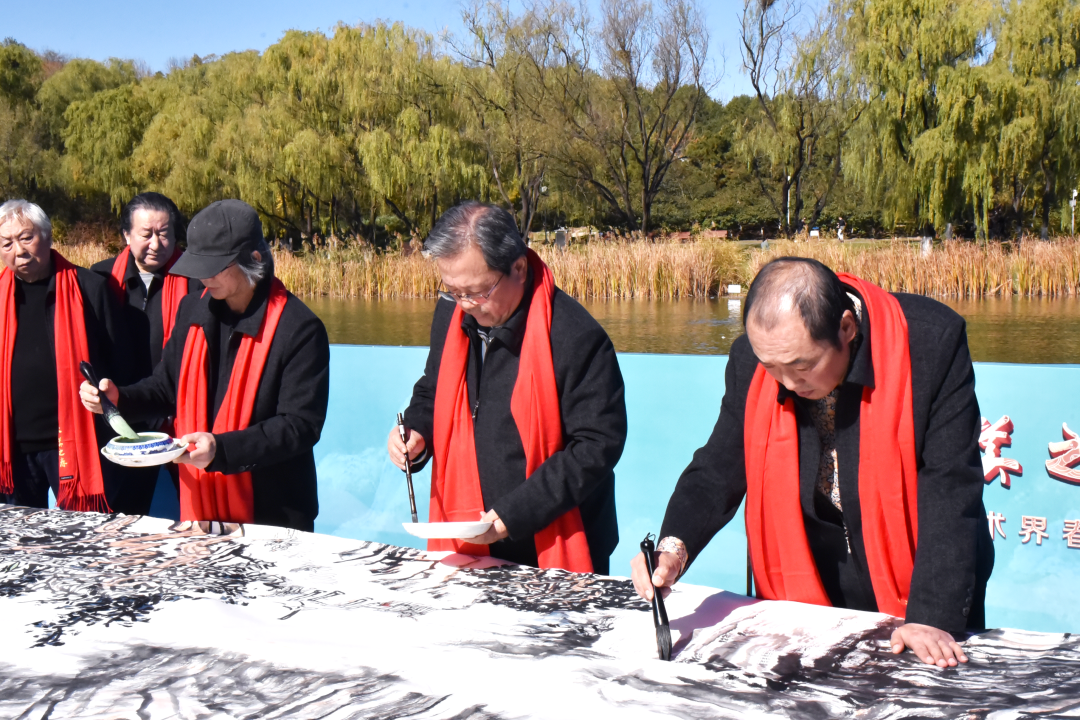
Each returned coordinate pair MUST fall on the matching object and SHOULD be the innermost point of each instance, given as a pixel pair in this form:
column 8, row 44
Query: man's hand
column 667, row 572
column 932, row 646
column 204, row 451
column 397, row 449
column 497, row 531
column 91, row 396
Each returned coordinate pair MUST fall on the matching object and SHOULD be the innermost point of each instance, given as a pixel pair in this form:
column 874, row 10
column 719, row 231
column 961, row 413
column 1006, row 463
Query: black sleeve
column 951, row 515
column 301, row 408
column 593, row 407
column 420, row 415
column 112, row 356
column 714, row 483
column 155, row 396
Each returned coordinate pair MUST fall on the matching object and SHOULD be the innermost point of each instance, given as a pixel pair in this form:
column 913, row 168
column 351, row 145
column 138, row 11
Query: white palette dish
column 447, row 530
column 154, row 449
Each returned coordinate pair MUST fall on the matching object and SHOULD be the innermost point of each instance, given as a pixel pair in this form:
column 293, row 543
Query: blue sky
column 155, row 32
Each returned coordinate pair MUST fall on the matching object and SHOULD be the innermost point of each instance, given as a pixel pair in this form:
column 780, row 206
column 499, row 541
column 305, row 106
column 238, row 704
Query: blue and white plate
column 153, row 448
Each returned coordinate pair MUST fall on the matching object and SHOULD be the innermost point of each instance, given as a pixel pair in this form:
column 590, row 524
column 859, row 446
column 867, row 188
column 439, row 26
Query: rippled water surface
column 1015, row 330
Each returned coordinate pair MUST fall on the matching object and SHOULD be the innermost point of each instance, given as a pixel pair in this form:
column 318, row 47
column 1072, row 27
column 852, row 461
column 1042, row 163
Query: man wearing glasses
column 520, row 407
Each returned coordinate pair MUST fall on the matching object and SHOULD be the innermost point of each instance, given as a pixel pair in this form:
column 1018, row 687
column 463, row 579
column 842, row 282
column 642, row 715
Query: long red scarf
column 213, row 495
column 534, row 404
column 173, row 290
column 784, row 567
column 81, row 485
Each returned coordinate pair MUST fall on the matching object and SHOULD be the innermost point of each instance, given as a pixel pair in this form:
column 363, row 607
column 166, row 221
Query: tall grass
column 616, row 269
column 84, row 254
column 670, row 270
column 650, row 270
column 957, row 269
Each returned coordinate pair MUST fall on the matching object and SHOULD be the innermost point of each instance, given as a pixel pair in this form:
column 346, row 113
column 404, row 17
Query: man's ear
column 849, row 327
column 521, row 265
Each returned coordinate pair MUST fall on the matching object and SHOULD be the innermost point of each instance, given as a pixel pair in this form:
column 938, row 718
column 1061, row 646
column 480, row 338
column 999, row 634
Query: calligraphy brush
column 659, row 612
column 112, row 415
column 408, row 466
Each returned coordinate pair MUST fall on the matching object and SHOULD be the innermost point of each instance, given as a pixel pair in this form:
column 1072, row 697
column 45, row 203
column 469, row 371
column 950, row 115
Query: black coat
column 955, row 552
column 593, row 410
column 106, row 341
column 140, row 313
column 290, row 407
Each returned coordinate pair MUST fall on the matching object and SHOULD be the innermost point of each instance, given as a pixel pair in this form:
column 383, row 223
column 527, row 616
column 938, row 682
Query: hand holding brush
column 659, row 612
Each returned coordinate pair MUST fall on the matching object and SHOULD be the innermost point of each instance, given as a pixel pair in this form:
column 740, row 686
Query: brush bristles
column 663, row 642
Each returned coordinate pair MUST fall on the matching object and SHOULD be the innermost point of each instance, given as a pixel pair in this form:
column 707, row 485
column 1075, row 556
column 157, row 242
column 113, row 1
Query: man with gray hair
column 53, row 315
column 521, row 404
column 246, row 373
column 850, row 425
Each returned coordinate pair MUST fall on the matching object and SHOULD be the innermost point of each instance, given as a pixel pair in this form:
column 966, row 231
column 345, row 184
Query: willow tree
column 100, row 136
column 1033, row 84
column 78, row 79
column 918, row 149
column 414, row 151
column 181, row 153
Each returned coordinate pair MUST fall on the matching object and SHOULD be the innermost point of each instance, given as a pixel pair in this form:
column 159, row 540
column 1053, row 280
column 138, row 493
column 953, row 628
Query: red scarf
column 213, row 495
column 173, row 289
column 81, row 486
column 784, row 567
column 534, row 405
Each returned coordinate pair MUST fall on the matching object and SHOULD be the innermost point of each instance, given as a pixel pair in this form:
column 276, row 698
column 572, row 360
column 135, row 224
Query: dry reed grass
column 84, row 254
column 616, row 269
column 957, row 269
column 670, row 270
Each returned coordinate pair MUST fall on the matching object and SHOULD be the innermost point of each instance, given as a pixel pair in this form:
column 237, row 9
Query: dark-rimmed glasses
column 474, row 298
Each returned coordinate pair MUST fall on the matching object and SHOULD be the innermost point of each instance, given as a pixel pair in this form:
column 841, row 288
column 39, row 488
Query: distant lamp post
column 789, row 202
column 1072, row 204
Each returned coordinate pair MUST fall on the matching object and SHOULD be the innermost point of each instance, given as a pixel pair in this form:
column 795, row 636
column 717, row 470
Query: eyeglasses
column 474, row 298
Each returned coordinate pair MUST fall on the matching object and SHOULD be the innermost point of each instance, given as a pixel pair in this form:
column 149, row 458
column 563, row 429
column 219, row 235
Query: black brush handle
column 408, row 467
column 660, row 618
column 659, row 611
column 108, row 409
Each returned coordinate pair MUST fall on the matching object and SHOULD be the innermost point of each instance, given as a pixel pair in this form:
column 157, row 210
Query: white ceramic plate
column 447, row 530
column 144, row 460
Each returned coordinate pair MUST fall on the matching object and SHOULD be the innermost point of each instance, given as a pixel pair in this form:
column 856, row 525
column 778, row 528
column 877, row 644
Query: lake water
column 1012, row 329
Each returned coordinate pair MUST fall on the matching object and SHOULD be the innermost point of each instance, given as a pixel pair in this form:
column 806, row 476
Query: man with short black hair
column 149, row 299
column 246, row 373
column 521, row 403
column 850, row 425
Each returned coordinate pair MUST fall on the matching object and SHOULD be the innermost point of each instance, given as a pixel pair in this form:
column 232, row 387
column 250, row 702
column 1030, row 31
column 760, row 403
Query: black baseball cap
column 216, row 236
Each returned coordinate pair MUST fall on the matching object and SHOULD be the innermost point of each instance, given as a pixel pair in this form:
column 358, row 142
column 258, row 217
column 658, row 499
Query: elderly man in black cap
column 246, row 373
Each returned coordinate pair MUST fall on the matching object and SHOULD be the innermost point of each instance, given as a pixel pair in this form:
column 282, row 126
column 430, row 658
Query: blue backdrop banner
column 1031, row 460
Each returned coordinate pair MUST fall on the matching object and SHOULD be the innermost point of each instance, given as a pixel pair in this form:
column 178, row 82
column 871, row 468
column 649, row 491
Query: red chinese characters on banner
column 991, row 440
column 1064, row 456
column 1033, row 526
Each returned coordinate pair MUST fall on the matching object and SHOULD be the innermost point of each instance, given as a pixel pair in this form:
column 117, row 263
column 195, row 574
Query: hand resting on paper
column 496, row 532
column 667, row 572
column 396, row 448
column 204, row 451
column 932, row 646
column 91, row 396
